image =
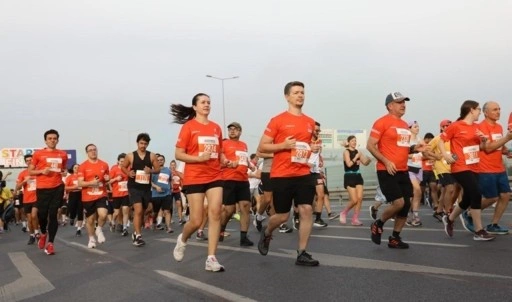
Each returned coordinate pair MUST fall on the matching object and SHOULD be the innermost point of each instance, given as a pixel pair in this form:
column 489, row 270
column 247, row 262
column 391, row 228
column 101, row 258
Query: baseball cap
column 445, row 123
column 396, row 97
column 236, row 125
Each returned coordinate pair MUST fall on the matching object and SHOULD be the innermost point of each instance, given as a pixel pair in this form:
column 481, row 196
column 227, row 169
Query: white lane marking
column 83, row 246
column 203, row 287
column 354, row 262
column 32, row 283
column 407, row 228
column 411, row 242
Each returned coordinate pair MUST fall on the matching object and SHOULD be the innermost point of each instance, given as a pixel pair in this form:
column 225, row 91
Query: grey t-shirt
column 267, row 164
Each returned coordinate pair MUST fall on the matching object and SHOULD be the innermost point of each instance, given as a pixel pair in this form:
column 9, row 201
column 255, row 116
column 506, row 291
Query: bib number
column 242, row 158
column 163, row 178
column 403, row 137
column 301, row 153
column 471, row 154
column 141, row 177
column 208, row 144
column 55, row 164
column 123, row 186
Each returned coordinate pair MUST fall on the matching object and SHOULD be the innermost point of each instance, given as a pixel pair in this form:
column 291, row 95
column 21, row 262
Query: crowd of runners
column 461, row 170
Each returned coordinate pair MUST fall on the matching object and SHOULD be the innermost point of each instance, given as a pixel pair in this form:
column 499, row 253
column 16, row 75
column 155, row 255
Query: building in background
column 333, row 141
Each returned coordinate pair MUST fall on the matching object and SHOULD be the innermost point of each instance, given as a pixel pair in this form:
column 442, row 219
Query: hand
column 118, row 178
column 46, row 171
column 158, row 188
column 289, row 143
column 205, row 156
column 147, row 170
column 131, row 174
column 448, row 158
column 390, row 167
column 421, row 147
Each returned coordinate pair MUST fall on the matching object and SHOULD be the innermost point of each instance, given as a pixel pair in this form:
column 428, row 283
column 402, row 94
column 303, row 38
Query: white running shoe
column 99, row 234
column 213, row 265
column 179, row 249
column 92, row 244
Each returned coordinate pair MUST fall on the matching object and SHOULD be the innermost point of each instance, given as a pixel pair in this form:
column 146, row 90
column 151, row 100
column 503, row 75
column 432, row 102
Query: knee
column 406, row 206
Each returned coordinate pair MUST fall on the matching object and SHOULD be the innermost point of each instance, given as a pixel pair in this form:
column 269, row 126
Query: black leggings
column 48, row 203
column 75, row 207
column 471, row 196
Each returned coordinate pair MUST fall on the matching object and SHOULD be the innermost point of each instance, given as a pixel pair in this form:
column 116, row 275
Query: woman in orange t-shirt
column 200, row 147
column 466, row 140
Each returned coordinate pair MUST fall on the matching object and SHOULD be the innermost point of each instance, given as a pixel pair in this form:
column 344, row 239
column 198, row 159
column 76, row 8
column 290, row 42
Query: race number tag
column 55, row 164
column 31, row 185
column 417, row 158
column 142, row 177
column 123, row 186
column 403, row 137
column 242, row 158
column 301, row 153
column 471, row 155
column 208, row 144
column 163, row 178
column 94, row 191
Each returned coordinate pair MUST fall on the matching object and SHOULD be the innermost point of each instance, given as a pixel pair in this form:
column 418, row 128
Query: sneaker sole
column 307, row 263
column 209, row 269
column 483, row 239
column 498, row 233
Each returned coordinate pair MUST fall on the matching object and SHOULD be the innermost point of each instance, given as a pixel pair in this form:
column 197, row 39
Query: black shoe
column 373, row 212
column 397, row 243
column 264, row 242
column 259, row 224
column 376, row 232
column 333, row 216
column 438, row 216
column 78, row 233
column 221, row 236
column 31, row 240
column 296, row 223
column 283, row 228
column 305, row 259
column 71, row 222
column 138, row 241
column 159, row 227
column 24, row 229
column 246, row 242
column 320, row 223
column 202, row 237
column 124, row 233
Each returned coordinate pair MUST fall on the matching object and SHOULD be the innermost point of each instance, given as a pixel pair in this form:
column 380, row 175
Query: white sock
column 259, row 217
column 159, row 220
column 24, row 224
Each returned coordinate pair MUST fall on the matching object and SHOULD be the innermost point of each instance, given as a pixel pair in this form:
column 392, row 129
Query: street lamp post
column 223, row 102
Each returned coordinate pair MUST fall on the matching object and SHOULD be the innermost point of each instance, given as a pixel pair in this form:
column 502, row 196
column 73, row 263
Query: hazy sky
column 102, row 71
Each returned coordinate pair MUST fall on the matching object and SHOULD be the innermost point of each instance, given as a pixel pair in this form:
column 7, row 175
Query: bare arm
column 264, row 155
column 449, row 159
column 126, row 164
column 187, row 158
column 493, row 146
column 267, row 144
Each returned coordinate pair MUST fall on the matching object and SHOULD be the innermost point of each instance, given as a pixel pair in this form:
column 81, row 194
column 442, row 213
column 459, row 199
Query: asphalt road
column 352, row 268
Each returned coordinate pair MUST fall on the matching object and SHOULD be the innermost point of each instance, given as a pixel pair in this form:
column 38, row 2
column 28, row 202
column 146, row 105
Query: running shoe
column 397, row 243
column 373, row 212
column 320, row 223
column 42, row 241
column 283, row 228
column 482, row 235
column 496, row 229
column 49, row 250
column 264, row 242
column 376, row 232
column 467, row 221
column 306, row 259
column 179, row 249
column 99, row 234
column 448, row 225
column 212, row 265
column 332, row 216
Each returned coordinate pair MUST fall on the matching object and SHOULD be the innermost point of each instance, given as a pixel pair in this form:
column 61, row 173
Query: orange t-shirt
column 89, row 171
column 393, row 137
column 175, row 182
column 427, row 164
column 29, row 188
column 465, row 144
column 294, row 162
column 56, row 160
column 119, row 188
column 491, row 162
column 196, row 138
column 236, row 151
column 72, row 180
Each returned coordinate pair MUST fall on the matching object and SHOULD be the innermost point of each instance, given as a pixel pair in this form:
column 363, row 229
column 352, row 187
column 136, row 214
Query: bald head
column 491, row 111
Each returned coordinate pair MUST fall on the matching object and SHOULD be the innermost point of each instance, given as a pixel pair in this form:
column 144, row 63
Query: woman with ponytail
column 200, row 147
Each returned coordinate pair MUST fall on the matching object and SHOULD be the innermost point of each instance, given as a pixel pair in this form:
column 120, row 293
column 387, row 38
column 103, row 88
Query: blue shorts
column 493, row 184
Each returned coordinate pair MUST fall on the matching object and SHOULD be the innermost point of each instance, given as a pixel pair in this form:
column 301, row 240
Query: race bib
column 142, row 177
column 301, row 153
column 94, row 191
column 242, row 157
column 208, row 144
column 17, row 202
column 163, row 178
column 55, row 164
column 417, row 158
column 122, row 186
column 471, row 154
column 403, row 137
column 31, row 185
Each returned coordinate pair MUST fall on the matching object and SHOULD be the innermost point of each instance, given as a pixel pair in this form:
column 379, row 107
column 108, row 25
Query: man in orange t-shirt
column 492, row 175
column 121, row 200
column 389, row 143
column 288, row 136
column 236, row 183
column 28, row 183
column 47, row 165
column 93, row 175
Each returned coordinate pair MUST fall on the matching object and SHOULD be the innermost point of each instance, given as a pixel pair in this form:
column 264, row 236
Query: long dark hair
column 466, row 107
column 182, row 113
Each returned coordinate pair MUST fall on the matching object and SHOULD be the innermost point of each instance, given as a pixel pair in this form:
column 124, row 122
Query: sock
column 91, row 238
column 259, row 217
column 295, row 215
column 379, row 223
column 212, row 257
column 318, row 215
column 494, row 224
column 159, row 220
column 24, row 224
column 415, row 214
column 299, row 252
column 396, row 234
column 222, row 228
column 243, row 235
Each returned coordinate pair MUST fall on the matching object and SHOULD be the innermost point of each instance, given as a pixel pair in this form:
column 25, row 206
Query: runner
column 200, row 147
column 414, row 165
column 161, row 194
column 75, row 206
column 236, row 183
column 28, row 184
column 139, row 165
column 47, row 165
column 466, row 140
column 389, row 144
column 176, row 193
column 288, row 136
column 93, row 176
column 120, row 199
column 316, row 164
